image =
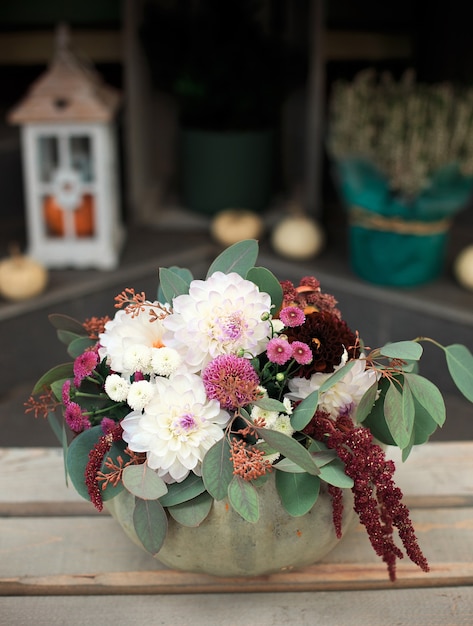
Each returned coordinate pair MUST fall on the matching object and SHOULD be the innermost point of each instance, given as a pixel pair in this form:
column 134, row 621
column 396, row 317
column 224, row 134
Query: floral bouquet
column 206, row 392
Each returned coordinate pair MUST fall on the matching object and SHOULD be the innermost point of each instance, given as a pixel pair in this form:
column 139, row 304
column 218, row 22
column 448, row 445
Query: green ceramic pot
column 226, row 545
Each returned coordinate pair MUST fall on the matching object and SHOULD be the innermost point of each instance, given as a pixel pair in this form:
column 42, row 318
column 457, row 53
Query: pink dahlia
column 231, row 380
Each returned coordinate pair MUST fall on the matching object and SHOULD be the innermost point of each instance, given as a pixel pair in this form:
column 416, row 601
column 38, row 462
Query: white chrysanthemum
column 165, row 361
column 344, row 396
column 140, row 394
column 282, row 424
column 269, row 417
column 220, row 315
column 116, row 387
column 125, row 332
column 177, row 427
column 137, row 358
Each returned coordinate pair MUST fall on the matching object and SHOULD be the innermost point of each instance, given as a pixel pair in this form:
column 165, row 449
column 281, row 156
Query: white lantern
column 70, row 165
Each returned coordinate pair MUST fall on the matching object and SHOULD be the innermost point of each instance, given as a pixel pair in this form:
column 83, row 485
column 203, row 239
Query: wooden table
column 63, row 563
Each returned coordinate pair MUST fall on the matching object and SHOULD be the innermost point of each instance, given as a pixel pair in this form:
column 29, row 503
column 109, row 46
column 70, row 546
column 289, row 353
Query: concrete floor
column 442, row 310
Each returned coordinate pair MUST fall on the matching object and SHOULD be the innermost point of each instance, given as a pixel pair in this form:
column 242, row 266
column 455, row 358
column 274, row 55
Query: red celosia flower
column 327, row 336
column 231, row 380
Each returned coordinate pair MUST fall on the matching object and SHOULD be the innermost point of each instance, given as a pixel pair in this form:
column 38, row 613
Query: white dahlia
column 177, row 427
column 220, row 315
column 341, row 398
column 127, row 342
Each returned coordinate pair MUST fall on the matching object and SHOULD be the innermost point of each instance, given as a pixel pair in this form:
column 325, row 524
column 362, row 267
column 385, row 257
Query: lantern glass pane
column 81, row 157
column 48, row 157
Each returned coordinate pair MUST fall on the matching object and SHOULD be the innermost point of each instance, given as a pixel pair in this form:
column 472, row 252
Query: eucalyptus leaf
column 334, row 474
column 59, row 372
column 305, row 411
column 399, row 411
column 183, row 273
column 298, row 492
column 366, row 404
column 171, row 284
column 67, row 323
column 266, row 281
column 143, row 482
column 270, row 404
column 193, row 512
column 56, row 388
column 289, row 448
column 336, row 376
column 151, row 524
column 460, row 366
column 239, row 258
column 405, row 350
column 79, row 345
column 428, row 396
column 66, row 336
column 78, row 457
column 217, row 469
column 58, row 428
column 243, row 498
column 189, row 488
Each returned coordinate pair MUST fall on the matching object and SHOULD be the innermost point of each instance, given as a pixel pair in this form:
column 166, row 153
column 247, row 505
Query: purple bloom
column 107, row 425
column 301, row 352
column 292, row 316
column 66, row 392
column 231, row 380
column 279, row 351
column 75, row 419
column 84, row 365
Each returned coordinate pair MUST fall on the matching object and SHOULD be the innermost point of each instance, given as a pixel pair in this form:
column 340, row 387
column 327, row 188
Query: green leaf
column 305, row 411
column 193, row 512
column 399, row 413
column 270, row 404
column 79, row 345
column 78, row 457
column 298, row 492
column 56, row 388
column 244, row 499
column 266, row 281
column 188, row 489
column 334, row 474
column 239, row 258
column 460, row 366
column 143, row 482
column 58, row 428
column 366, row 404
column 64, row 322
column 336, row 376
column 217, row 469
column 66, row 336
column 151, row 524
column 117, row 449
column 181, row 272
column 428, row 396
column 289, row 448
column 405, row 350
column 171, row 284
column 63, row 371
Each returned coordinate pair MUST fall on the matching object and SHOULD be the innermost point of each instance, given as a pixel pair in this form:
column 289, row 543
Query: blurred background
column 189, row 68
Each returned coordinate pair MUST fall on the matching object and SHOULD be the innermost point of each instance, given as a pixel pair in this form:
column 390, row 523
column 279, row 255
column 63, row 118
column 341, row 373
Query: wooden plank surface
column 53, row 543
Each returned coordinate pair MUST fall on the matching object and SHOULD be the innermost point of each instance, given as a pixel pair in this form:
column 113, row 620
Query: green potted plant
column 403, row 156
column 228, row 78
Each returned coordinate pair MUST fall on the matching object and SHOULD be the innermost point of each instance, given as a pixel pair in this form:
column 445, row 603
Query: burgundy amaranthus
column 377, row 500
column 94, row 464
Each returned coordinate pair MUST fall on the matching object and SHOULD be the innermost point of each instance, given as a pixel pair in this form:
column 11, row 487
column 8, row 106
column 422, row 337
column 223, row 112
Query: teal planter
column 220, row 170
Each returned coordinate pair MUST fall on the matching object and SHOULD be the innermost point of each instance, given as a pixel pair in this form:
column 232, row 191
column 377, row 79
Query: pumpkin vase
column 225, row 544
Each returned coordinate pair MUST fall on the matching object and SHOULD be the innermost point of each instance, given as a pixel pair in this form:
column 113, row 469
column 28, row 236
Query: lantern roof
column 70, row 90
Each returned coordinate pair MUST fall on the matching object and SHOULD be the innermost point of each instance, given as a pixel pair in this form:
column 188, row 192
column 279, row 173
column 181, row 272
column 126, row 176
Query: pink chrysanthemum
column 84, row 365
column 231, row 380
column 292, row 316
column 75, row 419
column 279, row 350
column 301, row 352
column 107, row 425
column 66, row 392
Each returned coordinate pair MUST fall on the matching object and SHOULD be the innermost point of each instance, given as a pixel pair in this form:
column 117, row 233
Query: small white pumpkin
column 463, row 267
column 21, row 277
column 232, row 225
column 297, row 237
